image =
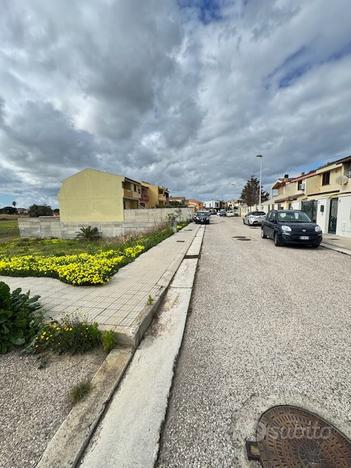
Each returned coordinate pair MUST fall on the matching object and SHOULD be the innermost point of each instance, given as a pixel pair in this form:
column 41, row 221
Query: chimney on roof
column 286, row 176
column 302, row 173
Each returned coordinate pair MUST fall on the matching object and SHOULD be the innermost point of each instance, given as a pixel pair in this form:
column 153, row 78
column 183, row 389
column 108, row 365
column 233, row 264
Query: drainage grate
column 180, row 240
column 191, row 256
column 293, row 437
column 239, row 237
column 244, row 239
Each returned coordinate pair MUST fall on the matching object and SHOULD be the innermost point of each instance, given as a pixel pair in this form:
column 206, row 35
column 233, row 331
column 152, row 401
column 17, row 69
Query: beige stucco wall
column 91, row 196
column 314, row 184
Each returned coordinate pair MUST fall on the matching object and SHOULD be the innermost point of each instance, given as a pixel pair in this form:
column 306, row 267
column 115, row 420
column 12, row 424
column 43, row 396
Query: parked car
column 291, row 227
column 222, row 213
column 230, row 213
column 254, row 218
column 202, row 217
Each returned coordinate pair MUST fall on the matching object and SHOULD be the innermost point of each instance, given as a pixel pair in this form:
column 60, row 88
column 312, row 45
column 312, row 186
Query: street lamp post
column 260, row 190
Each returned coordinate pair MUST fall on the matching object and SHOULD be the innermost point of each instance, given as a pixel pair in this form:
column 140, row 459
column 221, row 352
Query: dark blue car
column 291, row 227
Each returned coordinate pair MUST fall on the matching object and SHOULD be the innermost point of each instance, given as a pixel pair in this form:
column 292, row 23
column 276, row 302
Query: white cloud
column 180, row 96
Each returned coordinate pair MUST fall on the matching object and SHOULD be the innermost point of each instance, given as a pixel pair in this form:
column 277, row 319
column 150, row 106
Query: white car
column 230, row 213
column 254, row 218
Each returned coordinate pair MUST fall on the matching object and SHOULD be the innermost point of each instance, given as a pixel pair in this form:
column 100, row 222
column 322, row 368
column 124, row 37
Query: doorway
column 333, row 215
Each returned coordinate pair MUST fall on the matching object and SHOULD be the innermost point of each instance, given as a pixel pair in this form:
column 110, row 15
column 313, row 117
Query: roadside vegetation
column 20, row 318
column 71, row 335
column 8, row 229
column 79, row 392
column 80, row 262
column 22, row 325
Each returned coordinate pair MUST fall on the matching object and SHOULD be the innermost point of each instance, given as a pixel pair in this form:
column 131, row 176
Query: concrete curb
column 70, row 441
column 129, row 435
column 336, row 249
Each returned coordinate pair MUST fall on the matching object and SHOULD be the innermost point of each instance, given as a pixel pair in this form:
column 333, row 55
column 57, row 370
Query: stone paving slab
column 120, row 304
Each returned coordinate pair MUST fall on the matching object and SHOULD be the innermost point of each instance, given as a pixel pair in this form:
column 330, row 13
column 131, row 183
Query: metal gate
column 310, row 208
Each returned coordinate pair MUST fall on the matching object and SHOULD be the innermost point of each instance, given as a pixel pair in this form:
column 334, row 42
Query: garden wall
column 135, row 221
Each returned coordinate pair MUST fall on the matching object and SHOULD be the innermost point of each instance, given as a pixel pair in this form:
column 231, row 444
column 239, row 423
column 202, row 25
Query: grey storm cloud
column 176, row 92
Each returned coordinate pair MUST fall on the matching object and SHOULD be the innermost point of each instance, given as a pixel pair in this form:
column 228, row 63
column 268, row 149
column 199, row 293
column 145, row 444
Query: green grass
column 79, row 392
column 56, row 247
column 8, row 229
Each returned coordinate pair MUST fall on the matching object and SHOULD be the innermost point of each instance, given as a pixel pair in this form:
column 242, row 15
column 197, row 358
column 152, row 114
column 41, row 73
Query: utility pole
column 260, row 194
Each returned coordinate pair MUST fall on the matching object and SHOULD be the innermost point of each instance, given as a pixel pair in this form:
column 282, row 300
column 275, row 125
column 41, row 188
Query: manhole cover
column 239, row 237
column 244, row 239
column 292, row 437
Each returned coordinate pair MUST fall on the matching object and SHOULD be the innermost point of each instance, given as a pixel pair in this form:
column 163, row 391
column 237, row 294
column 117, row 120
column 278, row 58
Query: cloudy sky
column 183, row 93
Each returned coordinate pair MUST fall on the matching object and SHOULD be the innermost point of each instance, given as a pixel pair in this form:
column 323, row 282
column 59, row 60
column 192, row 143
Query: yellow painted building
column 97, row 196
column 324, row 194
column 131, row 194
column 158, row 196
column 91, row 196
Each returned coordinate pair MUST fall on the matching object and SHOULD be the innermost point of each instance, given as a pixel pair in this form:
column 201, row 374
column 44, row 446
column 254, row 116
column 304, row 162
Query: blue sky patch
column 207, row 10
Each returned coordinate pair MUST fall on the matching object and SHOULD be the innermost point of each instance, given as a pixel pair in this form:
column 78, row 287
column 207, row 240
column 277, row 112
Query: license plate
column 304, row 237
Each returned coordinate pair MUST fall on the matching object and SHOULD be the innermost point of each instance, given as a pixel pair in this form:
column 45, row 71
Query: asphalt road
column 268, row 325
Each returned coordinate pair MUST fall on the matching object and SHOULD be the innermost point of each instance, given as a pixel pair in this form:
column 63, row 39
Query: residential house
column 177, row 201
column 196, row 204
column 235, row 205
column 97, row 196
column 324, row 194
column 145, row 198
column 158, row 196
column 22, row 211
column 213, row 204
column 92, row 196
column 131, row 194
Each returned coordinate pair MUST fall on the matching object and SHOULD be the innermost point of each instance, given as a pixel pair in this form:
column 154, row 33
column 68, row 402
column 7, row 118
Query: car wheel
column 263, row 235
column 315, row 246
column 277, row 241
column 243, row 221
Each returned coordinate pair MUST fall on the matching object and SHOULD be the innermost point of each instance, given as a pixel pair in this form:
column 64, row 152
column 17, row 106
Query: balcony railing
column 131, row 194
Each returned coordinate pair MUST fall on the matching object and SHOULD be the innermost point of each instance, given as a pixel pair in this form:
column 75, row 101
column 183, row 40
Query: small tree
column 40, row 210
column 173, row 218
column 88, row 233
column 14, row 204
column 250, row 192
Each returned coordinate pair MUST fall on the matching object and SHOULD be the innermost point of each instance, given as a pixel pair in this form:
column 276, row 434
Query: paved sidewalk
column 338, row 243
column 119, row 304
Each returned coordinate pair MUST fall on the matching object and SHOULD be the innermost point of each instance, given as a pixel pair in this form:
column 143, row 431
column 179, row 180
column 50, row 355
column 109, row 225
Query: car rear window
column 259, row 213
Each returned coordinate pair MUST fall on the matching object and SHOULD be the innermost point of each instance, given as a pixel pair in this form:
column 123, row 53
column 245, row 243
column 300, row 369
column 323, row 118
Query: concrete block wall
column 46, row 227
column 154, row 216
column 43, row 227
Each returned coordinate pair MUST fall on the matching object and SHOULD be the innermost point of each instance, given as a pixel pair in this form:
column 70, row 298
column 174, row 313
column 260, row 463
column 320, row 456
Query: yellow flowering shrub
column 70, row 335
column 80, row 269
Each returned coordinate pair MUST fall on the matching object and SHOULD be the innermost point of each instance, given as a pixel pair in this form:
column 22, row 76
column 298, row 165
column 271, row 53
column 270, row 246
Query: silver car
column 254, row 218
